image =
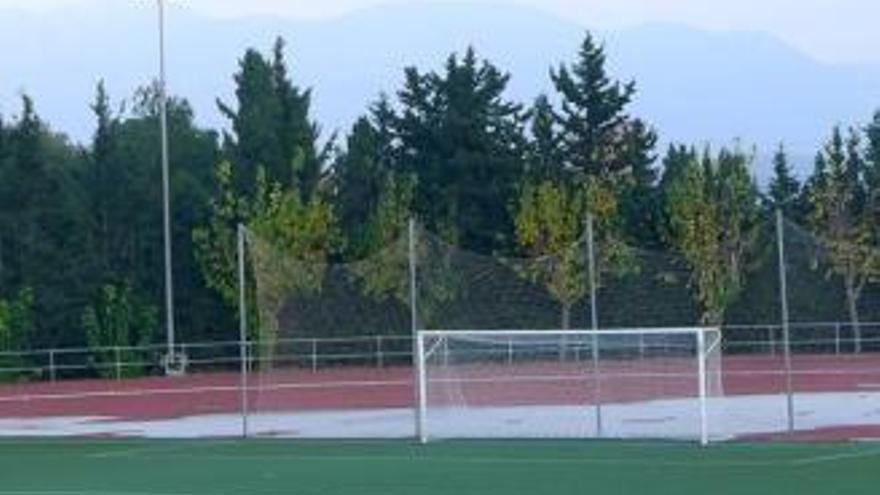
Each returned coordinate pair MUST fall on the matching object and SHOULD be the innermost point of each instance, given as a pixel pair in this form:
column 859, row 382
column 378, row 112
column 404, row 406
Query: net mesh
column 336, row 336
column 330, row 346
column 331, row 337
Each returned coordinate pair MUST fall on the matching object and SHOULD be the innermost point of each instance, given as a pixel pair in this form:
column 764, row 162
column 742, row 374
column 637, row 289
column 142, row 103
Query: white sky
column 832, row 30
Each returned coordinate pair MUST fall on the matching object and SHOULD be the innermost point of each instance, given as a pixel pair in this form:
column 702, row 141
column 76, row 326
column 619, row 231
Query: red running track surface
column 372, row 388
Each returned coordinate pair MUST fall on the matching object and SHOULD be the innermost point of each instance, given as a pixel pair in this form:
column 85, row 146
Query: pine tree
column 103, row 184
column 678, row 159
column 271, row 127
column 640, row 207
column 872, row 169
column 463, row 141
column 855, row 169
column 872, row 153
column 544, row 160
column 297, row 135
column 254, row 140
column 41, row 218
column 593, row 116
column 359, row 174
column 784, row 188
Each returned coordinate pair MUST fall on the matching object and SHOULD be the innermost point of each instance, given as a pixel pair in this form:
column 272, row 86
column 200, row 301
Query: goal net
column 652, row 384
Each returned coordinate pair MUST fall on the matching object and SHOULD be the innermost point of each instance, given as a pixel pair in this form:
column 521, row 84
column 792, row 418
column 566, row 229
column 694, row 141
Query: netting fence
column 329, row 349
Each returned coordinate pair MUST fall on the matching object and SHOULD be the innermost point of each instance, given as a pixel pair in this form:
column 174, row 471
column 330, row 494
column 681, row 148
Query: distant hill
column 694, row 86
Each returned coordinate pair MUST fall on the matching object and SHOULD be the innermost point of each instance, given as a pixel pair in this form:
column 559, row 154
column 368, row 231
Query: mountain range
column 695, row 86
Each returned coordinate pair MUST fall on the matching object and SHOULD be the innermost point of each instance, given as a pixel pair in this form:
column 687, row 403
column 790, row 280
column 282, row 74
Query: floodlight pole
column 783, row 303
column 166, row 201
column 594, row 323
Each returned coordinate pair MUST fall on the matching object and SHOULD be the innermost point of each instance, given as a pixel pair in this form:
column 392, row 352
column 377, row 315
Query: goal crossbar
column 523, row 333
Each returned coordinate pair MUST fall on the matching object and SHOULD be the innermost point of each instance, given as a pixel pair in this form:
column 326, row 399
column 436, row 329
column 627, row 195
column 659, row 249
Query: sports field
column 279, row 467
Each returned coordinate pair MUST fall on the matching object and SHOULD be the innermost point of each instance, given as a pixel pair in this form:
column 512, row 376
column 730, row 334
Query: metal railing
column 119, row 362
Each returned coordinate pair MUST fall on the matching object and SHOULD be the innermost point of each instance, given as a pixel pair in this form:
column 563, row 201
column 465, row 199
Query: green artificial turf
column 270, row 467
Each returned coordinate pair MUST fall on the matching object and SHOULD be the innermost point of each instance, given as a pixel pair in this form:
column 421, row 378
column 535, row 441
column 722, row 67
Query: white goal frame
column 703, row 339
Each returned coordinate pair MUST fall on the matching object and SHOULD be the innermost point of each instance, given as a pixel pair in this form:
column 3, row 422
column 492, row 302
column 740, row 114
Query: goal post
column 649, row 383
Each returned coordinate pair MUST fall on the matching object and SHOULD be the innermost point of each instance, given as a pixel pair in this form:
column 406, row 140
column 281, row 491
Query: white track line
column 835, row 457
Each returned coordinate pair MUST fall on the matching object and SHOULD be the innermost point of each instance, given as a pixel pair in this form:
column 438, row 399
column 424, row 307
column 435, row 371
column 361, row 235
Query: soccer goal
column 634, row 383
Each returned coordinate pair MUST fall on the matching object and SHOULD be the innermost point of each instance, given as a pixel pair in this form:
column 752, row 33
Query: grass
column 279, row 467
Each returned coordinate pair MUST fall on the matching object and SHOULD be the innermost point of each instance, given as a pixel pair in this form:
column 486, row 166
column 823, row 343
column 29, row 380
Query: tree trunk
column 566, row 324
column 853, row 306
column 566, row 316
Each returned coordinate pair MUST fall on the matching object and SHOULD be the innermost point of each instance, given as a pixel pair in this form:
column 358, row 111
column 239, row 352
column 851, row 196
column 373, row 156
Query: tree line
column 81, row 233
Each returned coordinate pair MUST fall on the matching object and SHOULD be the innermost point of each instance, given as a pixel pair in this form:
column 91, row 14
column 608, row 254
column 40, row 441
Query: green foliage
column 549, row 225
column 872, row 155
column 16, row 320
column 115, row 321
column 544, row 158
column 639, row 195
column 81, row 241
column 16, row 326
column 271, row 126
column 386, row 273
column 361, row 178
column 463, row 140
column 42, row 241
column 784, row 188
column 122, row 193
column 292, row 240
column 711, row 210
column 872, row 170
column 215, row 242
column 841, row 220
column 593, row 117
column 304, row 230
column 597, row 138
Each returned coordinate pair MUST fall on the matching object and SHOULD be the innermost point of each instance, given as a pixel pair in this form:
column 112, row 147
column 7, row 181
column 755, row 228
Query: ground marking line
column 481, row 460
column 136, row 450
column 85, row 492
column 835, row 457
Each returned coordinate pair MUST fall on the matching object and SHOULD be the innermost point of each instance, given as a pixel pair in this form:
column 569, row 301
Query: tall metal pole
column 243, row 330
column 166, row 201
column 594, row 323
column 783, row 301
column 414, row 329
column 703, row 388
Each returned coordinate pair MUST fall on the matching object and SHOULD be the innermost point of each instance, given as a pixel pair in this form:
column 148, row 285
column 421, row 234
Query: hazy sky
column 832, row 30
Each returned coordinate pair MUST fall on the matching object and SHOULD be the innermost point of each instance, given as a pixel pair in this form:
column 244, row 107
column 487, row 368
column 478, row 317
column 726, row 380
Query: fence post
column 510, row 351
